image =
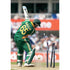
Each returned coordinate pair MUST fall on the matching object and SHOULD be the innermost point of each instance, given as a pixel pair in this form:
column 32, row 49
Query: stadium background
column 45, row 10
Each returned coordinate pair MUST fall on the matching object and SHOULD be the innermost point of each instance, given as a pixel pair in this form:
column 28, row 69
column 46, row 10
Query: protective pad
column 31, row 56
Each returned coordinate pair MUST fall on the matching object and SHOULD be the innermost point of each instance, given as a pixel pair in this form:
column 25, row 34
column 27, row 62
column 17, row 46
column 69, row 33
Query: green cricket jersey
column 27, row 28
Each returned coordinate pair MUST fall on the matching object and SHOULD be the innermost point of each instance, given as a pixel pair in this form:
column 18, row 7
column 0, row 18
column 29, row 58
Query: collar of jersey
column 32, row 24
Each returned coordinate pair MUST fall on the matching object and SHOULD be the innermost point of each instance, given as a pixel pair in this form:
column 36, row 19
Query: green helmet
column 37, row 22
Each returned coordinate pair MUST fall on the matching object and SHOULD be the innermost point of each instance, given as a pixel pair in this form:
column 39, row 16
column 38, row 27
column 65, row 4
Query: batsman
column 22, row 41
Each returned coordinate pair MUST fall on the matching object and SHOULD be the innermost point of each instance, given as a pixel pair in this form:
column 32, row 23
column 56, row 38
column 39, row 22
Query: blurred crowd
column 37, row 16
column 40, row 42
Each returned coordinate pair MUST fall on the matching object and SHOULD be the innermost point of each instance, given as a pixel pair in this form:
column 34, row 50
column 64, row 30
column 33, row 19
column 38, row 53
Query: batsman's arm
column 33, row 32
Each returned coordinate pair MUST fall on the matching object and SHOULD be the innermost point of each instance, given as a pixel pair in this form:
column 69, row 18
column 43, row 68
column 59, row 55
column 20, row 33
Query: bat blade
column 25, row 12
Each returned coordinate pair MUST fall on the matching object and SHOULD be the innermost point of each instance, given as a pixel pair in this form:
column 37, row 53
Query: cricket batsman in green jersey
column 23, row 43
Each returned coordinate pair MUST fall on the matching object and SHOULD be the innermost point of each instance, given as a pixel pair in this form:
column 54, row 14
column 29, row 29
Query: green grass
column 56, row 64
column 42, row 63
column 13, row 62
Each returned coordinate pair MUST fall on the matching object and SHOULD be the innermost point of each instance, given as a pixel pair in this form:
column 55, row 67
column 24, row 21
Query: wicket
column 52, row 61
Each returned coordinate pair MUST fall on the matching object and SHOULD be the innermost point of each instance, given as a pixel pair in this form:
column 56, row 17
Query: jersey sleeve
column 33, row 32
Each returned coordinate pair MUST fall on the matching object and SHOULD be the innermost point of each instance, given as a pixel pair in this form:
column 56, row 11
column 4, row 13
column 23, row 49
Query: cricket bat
column 25, row 12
